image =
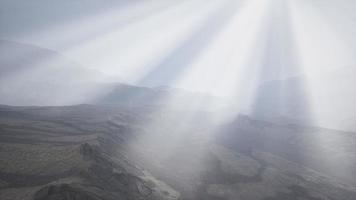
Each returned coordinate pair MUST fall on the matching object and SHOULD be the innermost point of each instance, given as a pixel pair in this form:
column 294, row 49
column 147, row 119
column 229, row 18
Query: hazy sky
column 155, row 42
column 224, row 47
column 19, row 17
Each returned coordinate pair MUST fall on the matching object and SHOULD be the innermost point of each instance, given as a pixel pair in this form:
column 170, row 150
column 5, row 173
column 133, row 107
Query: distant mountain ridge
column 37, row 76
column 33, row 75
column 326, row 101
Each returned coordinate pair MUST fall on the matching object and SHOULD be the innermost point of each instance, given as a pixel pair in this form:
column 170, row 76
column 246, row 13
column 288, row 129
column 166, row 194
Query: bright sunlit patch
column 326, row 61
column 135, row 50
column 221, row 67
column 321, row 47
column 231, row 65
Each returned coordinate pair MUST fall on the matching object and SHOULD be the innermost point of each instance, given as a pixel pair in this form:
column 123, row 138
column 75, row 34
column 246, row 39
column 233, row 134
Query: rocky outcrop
column 64, row 192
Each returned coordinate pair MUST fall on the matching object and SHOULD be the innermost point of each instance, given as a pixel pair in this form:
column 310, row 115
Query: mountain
column 112, row 152
column 129, row 142
column 31, row 75
column 18, row 58
column 325, row 100
column 75, row 153
column 320, row 149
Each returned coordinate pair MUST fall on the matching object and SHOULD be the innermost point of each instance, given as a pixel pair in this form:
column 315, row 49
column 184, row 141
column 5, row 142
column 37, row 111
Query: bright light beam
column 129, row 51
column 243, row 30
column 322, row 53
column 219, row 69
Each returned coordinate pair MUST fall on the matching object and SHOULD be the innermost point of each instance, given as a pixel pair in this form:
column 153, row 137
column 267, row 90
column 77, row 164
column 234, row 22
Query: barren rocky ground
column 99, row 152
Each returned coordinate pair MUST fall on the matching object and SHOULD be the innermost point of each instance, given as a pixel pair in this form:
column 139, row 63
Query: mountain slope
column 45, row 156
column 100, row 152
column 31, row 75
column 325, row 100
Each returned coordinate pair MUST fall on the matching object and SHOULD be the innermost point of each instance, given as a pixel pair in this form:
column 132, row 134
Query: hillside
column 99, row 152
